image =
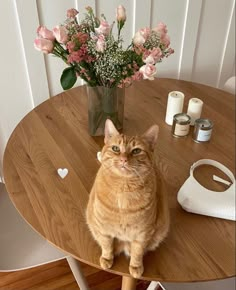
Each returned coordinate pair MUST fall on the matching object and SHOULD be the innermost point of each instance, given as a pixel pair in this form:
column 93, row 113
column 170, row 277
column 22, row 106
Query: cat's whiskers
column 150, row 167
column 141, row 162
column 107, row 167
column 146, row 165
column 137, row 173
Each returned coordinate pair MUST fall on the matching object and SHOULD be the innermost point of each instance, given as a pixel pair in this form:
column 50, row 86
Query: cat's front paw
column 106, row 263
column 136, row 272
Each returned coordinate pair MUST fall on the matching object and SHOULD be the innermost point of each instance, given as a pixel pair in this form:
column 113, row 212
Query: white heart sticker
column 62, row 172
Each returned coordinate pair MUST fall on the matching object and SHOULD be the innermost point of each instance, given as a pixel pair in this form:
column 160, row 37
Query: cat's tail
column 121, row 247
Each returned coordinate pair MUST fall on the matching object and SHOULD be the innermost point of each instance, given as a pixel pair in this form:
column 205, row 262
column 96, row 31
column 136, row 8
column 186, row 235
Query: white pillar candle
column 194, row 109
column 174, row 105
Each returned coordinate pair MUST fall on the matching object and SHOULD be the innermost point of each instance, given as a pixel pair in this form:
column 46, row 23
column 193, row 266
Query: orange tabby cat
column 127, row 209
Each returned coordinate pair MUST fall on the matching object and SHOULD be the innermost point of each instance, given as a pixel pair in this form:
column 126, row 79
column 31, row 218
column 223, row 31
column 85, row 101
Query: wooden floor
column 57, row 275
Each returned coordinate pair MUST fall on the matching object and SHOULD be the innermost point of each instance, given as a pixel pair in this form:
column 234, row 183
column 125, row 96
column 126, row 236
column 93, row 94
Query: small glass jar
column 202, row 130
column 181, row 125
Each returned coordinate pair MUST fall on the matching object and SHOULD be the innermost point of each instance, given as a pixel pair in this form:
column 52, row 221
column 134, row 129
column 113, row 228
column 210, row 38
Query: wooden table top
column 54, row 135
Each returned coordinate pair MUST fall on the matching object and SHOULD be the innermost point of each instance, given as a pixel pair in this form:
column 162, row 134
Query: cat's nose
column 123, row 159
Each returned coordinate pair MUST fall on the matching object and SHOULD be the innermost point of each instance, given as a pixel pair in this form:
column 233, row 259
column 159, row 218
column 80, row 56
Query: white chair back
column 20, row 246
column 229, row 85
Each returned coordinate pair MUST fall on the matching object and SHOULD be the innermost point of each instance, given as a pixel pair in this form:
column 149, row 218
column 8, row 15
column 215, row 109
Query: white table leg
column 77, row 272
column 155, row 286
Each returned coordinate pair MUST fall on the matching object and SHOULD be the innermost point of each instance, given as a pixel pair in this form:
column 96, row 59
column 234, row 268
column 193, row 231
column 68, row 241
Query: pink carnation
column 169, row 52
column 79, row 55
column 137, row 76
column 71, row 13
column 82, row 37
column 89, row 9
column 152, row 56
column 77, row 40
column 70, row 46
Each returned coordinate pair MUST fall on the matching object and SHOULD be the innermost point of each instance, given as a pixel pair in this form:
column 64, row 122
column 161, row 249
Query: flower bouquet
column 94, row 53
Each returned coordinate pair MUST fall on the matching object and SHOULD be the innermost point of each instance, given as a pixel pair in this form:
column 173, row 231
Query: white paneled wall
column 202, row 33
column 172, row 13
column 211, row 42
column 15, row 96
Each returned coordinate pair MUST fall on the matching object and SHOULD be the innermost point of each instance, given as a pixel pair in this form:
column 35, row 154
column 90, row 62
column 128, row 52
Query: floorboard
column 58, row 276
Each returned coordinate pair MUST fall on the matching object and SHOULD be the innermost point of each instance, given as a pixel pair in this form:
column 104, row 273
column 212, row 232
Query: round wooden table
column 54, row 135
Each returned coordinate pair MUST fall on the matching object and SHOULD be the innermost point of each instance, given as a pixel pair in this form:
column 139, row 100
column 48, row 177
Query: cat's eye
column 115, row 149
column 136, row 151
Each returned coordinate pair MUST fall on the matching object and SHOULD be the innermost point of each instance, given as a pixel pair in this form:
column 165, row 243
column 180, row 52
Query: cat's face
column 129, row 156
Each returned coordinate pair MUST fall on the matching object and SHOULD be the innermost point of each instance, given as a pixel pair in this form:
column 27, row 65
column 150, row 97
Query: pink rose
column 120, row 14
column 161, row 28
column 138, row 38
column 141, row 36
column 148, row 71
column 104, row 28
column 165, row 39
column 71, row 13
column 100, row 45
column 152, row 56
column 60, row 33
column 44, row 45
column 145, row 32
column 43, row 32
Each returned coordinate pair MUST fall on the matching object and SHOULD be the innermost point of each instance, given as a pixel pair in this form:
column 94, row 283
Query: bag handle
column 213, row 163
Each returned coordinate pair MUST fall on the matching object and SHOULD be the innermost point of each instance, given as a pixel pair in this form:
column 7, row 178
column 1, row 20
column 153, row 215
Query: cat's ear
column 110, row 130
column 151, row 135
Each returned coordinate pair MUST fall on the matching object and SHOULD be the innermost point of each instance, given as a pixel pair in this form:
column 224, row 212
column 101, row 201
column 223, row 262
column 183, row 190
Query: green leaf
column 68, row 78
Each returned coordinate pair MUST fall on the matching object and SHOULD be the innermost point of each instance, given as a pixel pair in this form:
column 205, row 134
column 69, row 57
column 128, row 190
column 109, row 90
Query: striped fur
column 127, row 210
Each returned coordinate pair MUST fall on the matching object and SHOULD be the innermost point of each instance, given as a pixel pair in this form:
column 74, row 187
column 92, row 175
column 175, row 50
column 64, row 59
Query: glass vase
column 104, row 103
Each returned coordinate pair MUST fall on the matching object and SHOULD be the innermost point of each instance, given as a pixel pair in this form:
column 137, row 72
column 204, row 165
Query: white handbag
column 195, row 198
